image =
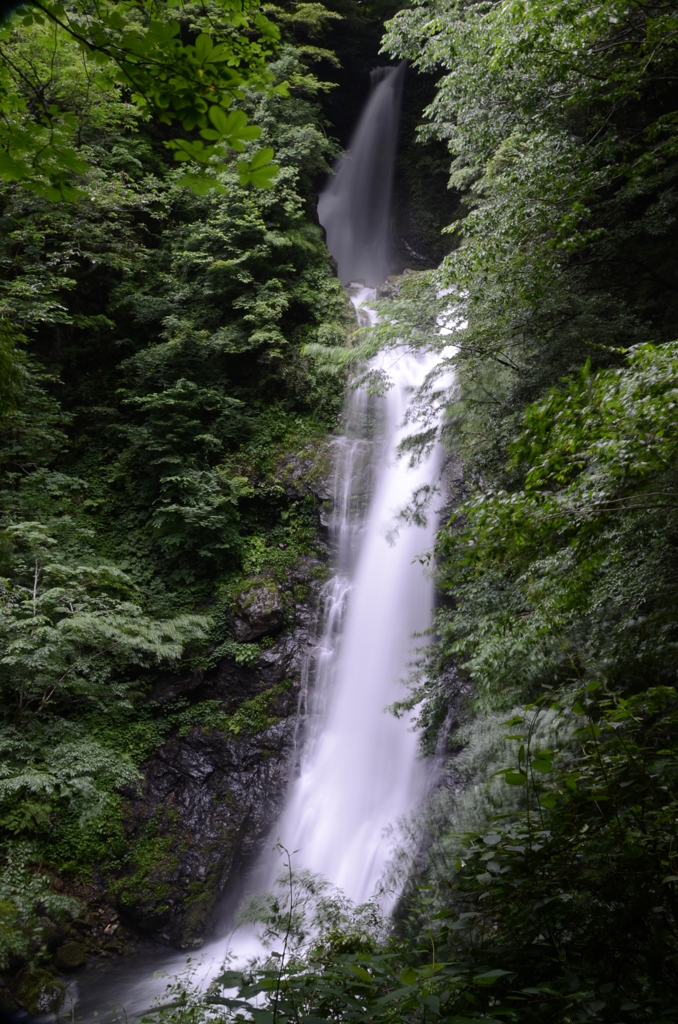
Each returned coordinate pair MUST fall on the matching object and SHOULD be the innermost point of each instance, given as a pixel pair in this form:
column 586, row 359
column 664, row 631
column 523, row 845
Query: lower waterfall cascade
column 360, row 772
column 359, row 769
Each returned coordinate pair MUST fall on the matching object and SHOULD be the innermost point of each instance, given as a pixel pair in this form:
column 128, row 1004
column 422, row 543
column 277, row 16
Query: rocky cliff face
column 211, row 796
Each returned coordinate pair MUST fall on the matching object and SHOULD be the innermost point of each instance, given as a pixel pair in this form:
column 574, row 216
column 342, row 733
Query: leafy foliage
column 559, row 120
column 153, row 387
column 26, row 897
column 189, row 339
column 137, row 45
column 546, row 888
column 536, row 916
column 554, row 871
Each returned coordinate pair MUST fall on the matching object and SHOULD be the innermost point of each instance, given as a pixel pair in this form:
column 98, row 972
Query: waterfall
column 359, row 771
column 355, row 207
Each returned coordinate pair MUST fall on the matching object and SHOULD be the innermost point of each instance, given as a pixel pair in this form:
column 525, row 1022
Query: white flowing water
column 355, row 207
column 360, row 772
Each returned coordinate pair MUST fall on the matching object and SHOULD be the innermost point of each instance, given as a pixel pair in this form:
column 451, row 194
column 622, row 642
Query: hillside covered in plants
column 156, row 405
column 175, row 349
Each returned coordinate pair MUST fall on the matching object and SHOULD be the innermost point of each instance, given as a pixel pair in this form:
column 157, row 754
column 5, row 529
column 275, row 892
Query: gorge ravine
column 358, row 770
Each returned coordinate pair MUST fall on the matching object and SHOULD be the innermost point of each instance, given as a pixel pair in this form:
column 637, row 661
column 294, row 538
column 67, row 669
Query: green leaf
column 262, row 174
column 220, row 53
column 633, row 851
column 489, row 977
column 225, row 123
column 409, row 976
column 264, row 177
column 11, row 170
column 203, row 47
column 361, row 973
column 229, row 979
column 262, row 157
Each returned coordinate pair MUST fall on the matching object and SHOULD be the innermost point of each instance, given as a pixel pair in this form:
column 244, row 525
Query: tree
column 137, row 46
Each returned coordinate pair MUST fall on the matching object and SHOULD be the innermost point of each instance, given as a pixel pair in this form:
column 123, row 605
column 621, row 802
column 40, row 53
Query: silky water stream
column 359, row 770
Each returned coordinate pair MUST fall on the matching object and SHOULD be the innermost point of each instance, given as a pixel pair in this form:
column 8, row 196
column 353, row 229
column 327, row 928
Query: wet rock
column 210, row 798
column 70, row 955
column 306, row 473
column 169, row 687
column 390, row 289
column 260, row 610
column 52, row 934
column 39, row 992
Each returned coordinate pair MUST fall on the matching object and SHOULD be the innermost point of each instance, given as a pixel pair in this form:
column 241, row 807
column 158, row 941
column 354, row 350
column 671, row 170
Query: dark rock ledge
column 210, row 798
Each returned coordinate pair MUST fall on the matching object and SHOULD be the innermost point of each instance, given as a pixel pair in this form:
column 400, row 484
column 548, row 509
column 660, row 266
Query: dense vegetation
column 166, row 322
column 153, row 385
column 561, row 559
column 547, row 887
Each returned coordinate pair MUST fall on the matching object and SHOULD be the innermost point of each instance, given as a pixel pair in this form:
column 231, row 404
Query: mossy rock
column 260, row 610
column 53, row 934
column 70, row 955
column 39, row 992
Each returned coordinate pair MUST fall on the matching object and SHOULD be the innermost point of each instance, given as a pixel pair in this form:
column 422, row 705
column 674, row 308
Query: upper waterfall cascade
column 355, row 206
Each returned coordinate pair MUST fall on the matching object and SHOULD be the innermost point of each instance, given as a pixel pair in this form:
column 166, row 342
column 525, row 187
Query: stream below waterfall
column 359, row 771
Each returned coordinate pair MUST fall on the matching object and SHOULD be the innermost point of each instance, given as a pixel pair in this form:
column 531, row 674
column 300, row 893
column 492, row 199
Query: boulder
column 390, row 289
column 39, row 991
column 260, row 610
column 70, row 956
